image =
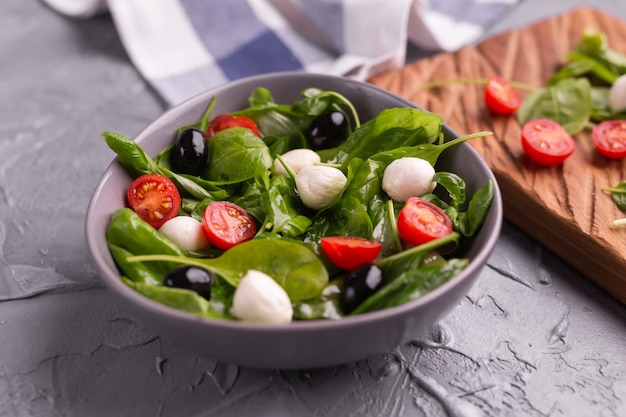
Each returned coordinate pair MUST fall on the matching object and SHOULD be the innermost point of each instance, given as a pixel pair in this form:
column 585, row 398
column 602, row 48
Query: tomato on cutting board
column 226, row 121
column 500, row 97
column 350, row 252
column 154, row 198
column 421, row 221
column 226, row 224
column 609, row 138
column 545, row 142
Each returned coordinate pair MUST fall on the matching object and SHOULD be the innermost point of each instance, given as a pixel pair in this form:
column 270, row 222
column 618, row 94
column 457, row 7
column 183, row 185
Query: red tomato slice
column 226, row 224
column 226, row 121
column 421, row 221
column 500, row 97
column 545, row 142
column 609, row 138
column 350, row 252
column 154, row 198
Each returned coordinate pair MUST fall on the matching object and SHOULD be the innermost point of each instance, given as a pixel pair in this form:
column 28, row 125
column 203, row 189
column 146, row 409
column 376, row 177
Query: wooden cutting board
column 562, row 207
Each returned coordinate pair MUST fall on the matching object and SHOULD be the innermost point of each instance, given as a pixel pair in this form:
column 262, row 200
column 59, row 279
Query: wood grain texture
column 562, row 207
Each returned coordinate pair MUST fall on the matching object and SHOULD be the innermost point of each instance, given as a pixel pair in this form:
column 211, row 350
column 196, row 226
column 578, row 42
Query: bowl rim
column 108, row 274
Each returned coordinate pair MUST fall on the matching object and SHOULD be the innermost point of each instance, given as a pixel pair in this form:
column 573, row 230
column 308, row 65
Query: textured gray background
column 532, row 338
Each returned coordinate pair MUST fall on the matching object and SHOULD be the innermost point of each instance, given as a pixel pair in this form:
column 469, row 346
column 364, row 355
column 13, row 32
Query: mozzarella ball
column 296, row 159
column 617, row 94
column 319, row 186
column 186, row 232
column 260, row 299
column 408, row 177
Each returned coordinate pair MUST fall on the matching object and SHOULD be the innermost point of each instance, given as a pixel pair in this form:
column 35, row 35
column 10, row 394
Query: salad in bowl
column 329, row 209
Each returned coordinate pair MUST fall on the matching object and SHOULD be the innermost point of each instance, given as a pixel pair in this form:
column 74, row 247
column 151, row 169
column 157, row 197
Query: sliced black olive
column 359, row 285
column 190, row 152
column 191, row 278
column 328, row 130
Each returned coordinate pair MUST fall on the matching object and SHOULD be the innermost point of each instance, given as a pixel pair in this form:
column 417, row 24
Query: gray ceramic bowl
column 301, row 344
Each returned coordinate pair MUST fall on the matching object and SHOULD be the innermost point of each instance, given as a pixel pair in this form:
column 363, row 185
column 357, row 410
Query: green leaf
column 411, row 285
column 608, row 63
column 294, row 266
column 392, row 128
column 413, row 258
column 326, row 306
column 467, row 223
column 618, row 194
column 184, row 300
column 600, row 106
column 281, row 205
column 572, row 69
column 128, row 234
column 236, row 155
column 568, row 102
column 137, row 163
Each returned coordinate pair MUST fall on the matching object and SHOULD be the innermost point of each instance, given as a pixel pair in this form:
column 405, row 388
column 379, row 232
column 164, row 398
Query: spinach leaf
column 600, row 107
column 454, row 185
column 346, row 218
column 281, row 205
column 390, row 129
column 364, row 180
column 326, row 306
column 185, row 300
column 468, row 222
column 252, row 194
column 138, row 163
column 294, row 266
column 411, row 285
column 137, row 272
column 427, row 151
column 593, row 47
column 412, row 258
column 571, row 70
column 279, row 145
column 236, row 155
column 567, row 102
column 128, row 234
column 274, row 119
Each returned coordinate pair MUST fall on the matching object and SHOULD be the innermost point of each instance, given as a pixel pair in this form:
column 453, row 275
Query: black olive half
column 328, row 130
column 359, row 285
column 191, row 278
column 190, row 152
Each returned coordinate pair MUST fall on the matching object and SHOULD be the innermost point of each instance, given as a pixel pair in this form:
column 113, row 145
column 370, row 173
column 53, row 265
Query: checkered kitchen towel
column 183, row 47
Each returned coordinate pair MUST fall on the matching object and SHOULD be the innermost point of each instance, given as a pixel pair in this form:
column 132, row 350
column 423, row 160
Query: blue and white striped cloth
column 183, row 47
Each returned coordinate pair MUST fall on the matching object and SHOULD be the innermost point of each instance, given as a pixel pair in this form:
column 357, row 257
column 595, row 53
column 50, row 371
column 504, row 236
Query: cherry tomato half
column 500, row 97
column 226, row 121
column 226, row 224
column 154, row 198
column 609, row 138
column 350, row 252
column 545, row 142
column 421, row 221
